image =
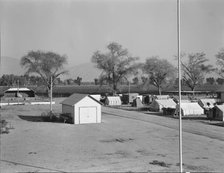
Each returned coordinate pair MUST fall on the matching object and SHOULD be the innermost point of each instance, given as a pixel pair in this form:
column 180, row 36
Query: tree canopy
column 160, row 71
column 45, row 64
column 115, row 64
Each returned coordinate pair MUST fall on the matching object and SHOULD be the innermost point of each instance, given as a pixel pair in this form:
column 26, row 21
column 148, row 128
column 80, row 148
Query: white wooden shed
column 82, row 108
column 113, row 101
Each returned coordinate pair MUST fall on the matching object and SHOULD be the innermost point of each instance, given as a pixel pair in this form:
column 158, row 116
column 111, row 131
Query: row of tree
column 34, row 80
column 117, row 66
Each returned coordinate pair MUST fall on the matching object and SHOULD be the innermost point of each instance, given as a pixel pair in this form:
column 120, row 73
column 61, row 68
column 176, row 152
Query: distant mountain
column 86, row 71
column 11, row 65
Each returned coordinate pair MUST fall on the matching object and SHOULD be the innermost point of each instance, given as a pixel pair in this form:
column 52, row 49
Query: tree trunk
column 114, row 88
column 49, row 91
column 159, row 90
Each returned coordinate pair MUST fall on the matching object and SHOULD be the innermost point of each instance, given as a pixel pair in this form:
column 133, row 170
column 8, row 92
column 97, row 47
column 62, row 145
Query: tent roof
column 192, row 105
column 110, row 98
column 161, row 97
column 205, row 101
column 167, row 103
column 220, row 107
column 18, row 89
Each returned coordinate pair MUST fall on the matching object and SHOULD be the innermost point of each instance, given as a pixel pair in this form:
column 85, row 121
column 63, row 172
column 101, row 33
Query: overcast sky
column 79, row 28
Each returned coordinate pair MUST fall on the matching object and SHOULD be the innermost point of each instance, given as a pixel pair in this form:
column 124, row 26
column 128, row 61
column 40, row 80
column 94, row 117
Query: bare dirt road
column 124, row 141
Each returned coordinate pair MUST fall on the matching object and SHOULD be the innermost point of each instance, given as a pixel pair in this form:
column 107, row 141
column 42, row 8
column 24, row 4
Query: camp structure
column 192, row 108
column 96, row 96
column 161, row 97
column 216, row 113
column 158, row 105
column 129, row 97
column 147, row 99
column 137, row 102
column 207, row 103
column 82, row 108
column 113, row 101
column 19, row 92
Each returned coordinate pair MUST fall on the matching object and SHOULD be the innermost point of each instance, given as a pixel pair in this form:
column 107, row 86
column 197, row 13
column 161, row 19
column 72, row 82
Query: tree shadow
column 54, row 119
column 215, row 123
column 31, row 118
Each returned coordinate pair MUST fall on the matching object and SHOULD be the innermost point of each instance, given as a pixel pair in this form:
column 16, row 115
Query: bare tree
column 45, row 64
column 220, row 63
column 115, row 64
column 195, row 69
column 160, row 71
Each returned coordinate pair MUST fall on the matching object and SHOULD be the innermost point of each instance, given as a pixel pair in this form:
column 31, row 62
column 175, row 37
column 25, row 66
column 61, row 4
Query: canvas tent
column 158, row 105
column 217, row 113
column 161, row 97
column 113, row 101
column 189, row 109
column 82, row 108
column 147, row 99
column 129, row 97
column 19, row 92
column 137, row 102
column 207, row 103
column 96, row 96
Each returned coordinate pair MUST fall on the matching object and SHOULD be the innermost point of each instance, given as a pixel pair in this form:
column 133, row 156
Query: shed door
column 87, row 115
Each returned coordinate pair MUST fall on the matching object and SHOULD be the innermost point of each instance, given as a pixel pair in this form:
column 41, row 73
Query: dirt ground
column 125, row 141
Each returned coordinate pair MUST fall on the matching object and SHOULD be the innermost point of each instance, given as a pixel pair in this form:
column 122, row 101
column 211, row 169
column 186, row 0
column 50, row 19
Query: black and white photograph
column 111, row 86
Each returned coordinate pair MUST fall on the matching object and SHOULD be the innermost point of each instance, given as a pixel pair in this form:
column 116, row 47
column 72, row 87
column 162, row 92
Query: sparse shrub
column 5, row 126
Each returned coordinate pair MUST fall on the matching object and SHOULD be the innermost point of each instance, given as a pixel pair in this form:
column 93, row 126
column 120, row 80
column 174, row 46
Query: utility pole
column 179, row 83
column 0, row 64
column 51, row 96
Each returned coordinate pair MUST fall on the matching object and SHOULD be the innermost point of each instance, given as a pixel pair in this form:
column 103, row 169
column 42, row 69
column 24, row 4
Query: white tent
column 82, row 108
column 113, row 101
column 207, row 103
column 218, row 112
column 158, row 105
column 96, row 96
column 190, row 109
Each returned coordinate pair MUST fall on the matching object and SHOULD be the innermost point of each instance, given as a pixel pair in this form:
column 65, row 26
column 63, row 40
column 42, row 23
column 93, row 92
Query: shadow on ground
column 31, row 118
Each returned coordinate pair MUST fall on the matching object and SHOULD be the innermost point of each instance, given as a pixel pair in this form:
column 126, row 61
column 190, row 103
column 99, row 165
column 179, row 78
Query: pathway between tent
column 189, row 126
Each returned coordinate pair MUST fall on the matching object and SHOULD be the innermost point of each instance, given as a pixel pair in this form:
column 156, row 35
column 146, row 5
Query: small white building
column 82, row 108
column 113, row 101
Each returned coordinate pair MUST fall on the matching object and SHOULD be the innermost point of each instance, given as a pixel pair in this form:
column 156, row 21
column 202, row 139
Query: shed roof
column 75, row 98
